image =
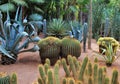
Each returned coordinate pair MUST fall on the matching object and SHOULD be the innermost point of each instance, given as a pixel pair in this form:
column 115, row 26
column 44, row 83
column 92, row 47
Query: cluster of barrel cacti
column 7, row 79
column 54, row 48
column 75, row 73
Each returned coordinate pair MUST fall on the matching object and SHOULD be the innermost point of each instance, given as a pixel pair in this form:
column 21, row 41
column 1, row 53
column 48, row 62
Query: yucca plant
column 57, row 28
column 11, row 34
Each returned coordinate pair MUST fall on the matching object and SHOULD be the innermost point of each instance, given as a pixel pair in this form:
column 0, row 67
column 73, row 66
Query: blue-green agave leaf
column 19, row 38
column 34, row 49
column 35, row 39
column 4, row 51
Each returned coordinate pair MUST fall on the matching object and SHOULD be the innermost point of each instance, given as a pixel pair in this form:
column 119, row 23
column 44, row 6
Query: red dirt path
column 26, row 66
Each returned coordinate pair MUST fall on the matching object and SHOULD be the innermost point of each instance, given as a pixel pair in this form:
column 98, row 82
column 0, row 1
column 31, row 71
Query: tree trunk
column 90, row 26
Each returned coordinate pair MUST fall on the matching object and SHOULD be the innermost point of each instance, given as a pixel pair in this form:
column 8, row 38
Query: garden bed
column 26, row 66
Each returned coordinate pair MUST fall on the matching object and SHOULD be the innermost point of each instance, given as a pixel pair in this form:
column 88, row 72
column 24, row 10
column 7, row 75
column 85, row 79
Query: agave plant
column 76, row 30
column 11, row 34
column 57, row 28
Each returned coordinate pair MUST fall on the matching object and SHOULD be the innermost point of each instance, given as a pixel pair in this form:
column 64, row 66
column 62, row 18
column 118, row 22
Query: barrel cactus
column 49, row 48
column 70, row 46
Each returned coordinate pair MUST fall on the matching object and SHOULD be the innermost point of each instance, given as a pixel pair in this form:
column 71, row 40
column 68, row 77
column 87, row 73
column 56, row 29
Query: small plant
column 57, row 28
column 109, row 56
column 11, row 34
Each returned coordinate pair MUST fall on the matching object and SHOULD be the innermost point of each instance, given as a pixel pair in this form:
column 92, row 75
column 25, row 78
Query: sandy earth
column 26, row 66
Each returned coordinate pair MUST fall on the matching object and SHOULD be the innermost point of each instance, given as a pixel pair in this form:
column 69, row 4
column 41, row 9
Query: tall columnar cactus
column 90, row 69
column 40, row 81
column 72, row 66
column 77, row 63
column 70, row 46
column 56, row 74
column 13, row 79
column 114, row 77
column 90, row 81
column 85, row 30
column 49, row 48
column 42, row 73
column 107, row 81
column 100, row 76
column 50, row 77
column 107, row 27
column 95, row 73
column 82, row 70
column 65, row 67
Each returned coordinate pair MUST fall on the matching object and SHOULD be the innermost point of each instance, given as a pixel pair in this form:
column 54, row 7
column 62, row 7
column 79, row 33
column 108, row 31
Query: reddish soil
column 26, row 66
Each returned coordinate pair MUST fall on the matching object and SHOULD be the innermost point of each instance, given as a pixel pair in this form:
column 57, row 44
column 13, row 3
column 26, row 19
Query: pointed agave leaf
column 18, row 39
column 16, row 16
column 4, row 51
column 34, row 49
column 35, row 39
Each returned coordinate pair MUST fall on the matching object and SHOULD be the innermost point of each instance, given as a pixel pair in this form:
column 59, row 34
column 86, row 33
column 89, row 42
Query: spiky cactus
column 114, row 77
column 72, row 66
column 49, row 48
column 42, row 73
column 65, row 67
column 50, row 77
column 70, row 46
column 13, row 79
column 82, row 70
column 56, row 74
column 97, row 74
column 4, row 78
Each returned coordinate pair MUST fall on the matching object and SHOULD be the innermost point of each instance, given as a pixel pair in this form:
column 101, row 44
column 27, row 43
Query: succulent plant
column 12, row 33
column 70, row 46
column 57, row 28
column 49, row 48
column 105, row 41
